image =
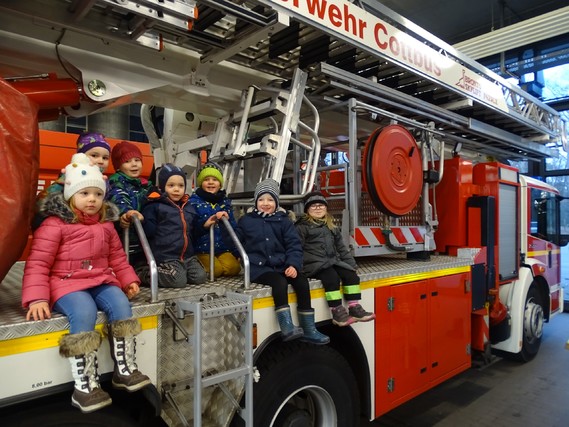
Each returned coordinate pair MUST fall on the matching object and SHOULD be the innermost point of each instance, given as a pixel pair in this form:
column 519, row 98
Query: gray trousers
column 175, row 273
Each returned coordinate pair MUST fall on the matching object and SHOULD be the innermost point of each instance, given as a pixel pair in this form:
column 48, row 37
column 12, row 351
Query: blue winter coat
column 171, row 228
column 205, row 209
column 272, row 243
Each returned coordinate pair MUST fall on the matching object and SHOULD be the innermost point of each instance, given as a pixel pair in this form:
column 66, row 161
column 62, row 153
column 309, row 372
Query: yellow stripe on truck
column 51, row 339
column 407, row 278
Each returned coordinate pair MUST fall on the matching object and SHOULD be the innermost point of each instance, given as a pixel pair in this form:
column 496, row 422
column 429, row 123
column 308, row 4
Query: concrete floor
column 502, row 394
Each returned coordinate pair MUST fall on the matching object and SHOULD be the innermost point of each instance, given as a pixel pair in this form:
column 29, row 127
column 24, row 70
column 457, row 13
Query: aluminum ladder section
column 229, row 306
column 265, row 127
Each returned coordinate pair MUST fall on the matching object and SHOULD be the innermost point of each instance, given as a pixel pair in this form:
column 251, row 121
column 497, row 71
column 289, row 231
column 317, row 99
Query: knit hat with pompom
column 80, row 174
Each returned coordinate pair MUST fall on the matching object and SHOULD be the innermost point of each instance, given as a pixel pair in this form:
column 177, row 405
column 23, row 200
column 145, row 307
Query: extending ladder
column 237, row 309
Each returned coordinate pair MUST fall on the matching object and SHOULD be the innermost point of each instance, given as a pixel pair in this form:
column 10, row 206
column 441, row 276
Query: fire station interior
column 502, row 393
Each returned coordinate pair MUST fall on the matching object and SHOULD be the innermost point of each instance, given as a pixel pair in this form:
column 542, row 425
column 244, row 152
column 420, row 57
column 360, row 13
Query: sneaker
column 359, row 314
column 340, row 316
column 91, row 401
column 132, row 382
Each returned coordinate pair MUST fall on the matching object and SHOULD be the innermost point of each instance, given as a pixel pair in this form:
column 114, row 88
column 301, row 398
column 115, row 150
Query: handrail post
column 242, row 253
column 212, row 253
column 149, row 258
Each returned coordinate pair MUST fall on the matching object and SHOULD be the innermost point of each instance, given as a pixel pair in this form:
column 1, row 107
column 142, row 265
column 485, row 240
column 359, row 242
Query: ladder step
column 222, row 307
column 226, row 376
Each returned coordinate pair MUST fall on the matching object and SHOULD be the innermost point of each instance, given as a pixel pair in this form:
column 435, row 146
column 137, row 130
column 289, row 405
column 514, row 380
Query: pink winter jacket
column 67, row 257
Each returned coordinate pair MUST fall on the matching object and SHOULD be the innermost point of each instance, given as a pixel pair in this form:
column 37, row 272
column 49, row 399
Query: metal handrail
column 147, row 253
column 242, row 253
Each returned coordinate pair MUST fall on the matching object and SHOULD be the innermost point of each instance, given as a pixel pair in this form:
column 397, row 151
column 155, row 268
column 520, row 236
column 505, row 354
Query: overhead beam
column 523, row 33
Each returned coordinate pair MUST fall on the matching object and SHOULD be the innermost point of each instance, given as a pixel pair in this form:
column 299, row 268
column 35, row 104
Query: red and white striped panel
column 372, row 236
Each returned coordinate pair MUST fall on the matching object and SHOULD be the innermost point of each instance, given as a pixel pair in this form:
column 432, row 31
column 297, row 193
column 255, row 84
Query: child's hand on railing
column 215, row 218
column 126, row 218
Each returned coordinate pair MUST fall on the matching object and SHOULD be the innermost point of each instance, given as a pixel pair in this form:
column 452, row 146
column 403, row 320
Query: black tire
column 305, row 385
column 533, row 325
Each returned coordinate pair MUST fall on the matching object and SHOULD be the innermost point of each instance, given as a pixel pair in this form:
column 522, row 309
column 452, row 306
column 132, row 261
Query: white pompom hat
column 80, row 174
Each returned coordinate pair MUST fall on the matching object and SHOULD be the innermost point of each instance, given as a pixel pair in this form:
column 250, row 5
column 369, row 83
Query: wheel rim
column 533, row 322
column 307, row 406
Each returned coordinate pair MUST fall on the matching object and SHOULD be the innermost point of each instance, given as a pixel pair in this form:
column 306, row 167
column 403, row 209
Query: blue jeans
column 81, row 307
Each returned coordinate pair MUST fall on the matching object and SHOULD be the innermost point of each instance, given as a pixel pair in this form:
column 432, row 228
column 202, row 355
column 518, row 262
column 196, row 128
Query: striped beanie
column 312, row 198
column 210, row 169
column 269, row 186
column 168, row 170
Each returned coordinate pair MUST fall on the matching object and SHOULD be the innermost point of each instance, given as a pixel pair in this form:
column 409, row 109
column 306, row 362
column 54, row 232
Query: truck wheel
column 533, row 325
column 305, row 385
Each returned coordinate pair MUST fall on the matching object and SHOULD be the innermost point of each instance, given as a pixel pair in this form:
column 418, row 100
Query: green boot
column 289, row 331
column 311, row 334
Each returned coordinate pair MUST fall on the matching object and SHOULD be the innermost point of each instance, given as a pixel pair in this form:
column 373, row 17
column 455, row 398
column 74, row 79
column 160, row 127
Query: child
column 326, row 258
column 210, row 203
column 96, row 147
column 170, row 223
column 275, row 255
column 77, row 267
column 128, row 190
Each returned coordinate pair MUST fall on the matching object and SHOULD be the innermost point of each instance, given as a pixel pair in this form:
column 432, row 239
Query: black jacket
column 323, row 248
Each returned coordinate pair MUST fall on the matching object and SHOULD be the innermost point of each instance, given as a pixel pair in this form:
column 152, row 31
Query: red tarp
column 19, row 157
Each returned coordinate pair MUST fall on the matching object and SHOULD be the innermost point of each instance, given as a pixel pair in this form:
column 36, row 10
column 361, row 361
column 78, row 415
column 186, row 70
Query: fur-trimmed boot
column 123, row 350
column 288, row 329
column 81, row 351
column 311, row 334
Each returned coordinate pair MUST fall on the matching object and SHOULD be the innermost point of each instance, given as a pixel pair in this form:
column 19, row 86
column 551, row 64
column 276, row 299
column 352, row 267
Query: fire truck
column 458, row 253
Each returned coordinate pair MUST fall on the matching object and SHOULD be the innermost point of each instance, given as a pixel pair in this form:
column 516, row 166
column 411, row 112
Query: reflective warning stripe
column 372, row 236
column 51, row 339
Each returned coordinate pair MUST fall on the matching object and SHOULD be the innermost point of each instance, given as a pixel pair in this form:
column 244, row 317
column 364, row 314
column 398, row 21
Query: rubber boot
column 311, row 334
column 289, row 331
column 123, row 350
column 81, row 351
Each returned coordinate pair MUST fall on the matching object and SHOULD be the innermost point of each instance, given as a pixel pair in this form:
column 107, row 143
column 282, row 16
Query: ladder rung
column 226, row 376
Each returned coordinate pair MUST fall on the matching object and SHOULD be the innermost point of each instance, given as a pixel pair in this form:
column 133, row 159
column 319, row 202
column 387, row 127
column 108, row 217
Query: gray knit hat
column 267, row 186
column 312, row 198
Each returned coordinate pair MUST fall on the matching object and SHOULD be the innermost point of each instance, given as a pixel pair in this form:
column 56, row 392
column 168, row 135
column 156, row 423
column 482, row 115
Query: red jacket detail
column 68, row 257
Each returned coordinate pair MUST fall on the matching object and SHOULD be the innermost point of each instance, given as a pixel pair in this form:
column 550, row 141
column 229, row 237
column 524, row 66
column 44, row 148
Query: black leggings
column 279, row 283
column 331, row 278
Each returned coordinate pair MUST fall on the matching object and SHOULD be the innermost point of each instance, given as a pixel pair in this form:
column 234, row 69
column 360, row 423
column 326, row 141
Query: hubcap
column 533, row 322
column 309, row 406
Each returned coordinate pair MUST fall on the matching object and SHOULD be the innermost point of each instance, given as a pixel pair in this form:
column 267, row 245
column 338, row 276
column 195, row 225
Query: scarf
column 214, row 198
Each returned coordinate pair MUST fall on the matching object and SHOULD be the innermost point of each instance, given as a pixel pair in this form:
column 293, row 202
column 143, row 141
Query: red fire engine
column 458, row 253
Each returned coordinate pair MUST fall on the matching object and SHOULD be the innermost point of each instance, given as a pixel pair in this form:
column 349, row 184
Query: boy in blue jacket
column 170, row 224
column 275, row 255
column 211, row 203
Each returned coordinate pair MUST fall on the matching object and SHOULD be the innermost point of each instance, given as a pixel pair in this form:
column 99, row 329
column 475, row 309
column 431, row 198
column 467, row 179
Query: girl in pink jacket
column 76, row 267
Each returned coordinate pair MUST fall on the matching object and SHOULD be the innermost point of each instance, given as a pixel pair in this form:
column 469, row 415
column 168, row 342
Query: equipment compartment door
column 450, row 307
column 402, row 346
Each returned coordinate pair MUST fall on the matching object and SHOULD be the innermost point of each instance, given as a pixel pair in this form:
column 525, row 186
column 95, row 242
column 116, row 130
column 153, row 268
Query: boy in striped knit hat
column 275, row 255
